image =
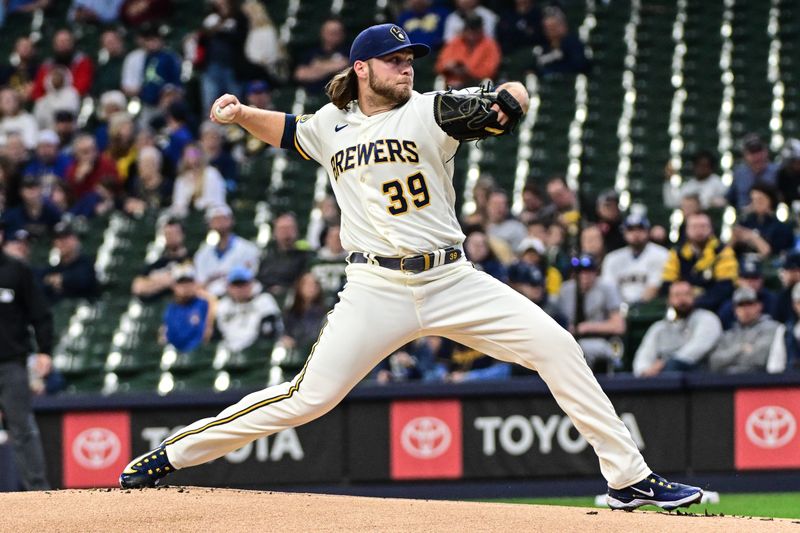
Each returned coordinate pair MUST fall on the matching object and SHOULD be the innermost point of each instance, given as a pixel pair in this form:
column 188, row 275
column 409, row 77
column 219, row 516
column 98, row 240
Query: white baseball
column 224, row 114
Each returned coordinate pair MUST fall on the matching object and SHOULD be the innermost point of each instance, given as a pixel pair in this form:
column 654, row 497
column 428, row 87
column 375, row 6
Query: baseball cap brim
column 419, row 50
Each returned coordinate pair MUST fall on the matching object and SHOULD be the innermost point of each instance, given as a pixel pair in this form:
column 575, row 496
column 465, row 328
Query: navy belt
column 410, row 263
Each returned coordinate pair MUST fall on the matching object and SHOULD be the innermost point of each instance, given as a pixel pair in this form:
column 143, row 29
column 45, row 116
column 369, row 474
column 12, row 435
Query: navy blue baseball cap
column 636, row 220
column 525, row 273
column 384, row 39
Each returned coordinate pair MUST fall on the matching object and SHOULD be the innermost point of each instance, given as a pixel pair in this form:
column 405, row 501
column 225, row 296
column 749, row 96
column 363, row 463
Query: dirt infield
column 193, row 509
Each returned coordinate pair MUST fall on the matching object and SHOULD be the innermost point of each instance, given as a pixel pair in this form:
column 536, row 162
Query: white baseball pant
column 379, row 311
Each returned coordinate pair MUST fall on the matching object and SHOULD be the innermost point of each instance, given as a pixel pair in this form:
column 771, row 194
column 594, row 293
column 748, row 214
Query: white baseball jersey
column 632, row 274
column 392, row 174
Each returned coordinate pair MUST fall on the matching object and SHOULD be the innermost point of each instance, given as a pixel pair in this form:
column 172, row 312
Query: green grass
column 775, row 505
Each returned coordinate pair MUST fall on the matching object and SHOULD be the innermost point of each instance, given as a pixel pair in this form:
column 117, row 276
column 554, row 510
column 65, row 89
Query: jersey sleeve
column 301, row 133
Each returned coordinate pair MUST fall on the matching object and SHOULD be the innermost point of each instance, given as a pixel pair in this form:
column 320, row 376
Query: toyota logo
column 770, row 426
column 96, row 448
column 425, row 437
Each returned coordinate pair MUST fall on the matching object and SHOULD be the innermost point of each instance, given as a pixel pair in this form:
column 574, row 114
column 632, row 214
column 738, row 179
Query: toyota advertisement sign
column 425, row 440
column 96, row 447
column 767, row 429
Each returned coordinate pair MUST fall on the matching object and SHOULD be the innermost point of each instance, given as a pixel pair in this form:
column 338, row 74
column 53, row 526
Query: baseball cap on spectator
column 750, row 269
column 744, row 295
column 20, row 235
column 384, row 39
column 47, row 137
column 221, row 210
column 29, row 180
column 531, row 243
column 473, row 21
column 608, row 196
column 636, row 220
column 240, row 274
column 257, row 86
column 521, row 272
column 149, row 30
column 183, row 272
column 63, row 229
column 791, row 150
column 64, row 115
column 752, row 142
column 791, row 261
column 583, row 262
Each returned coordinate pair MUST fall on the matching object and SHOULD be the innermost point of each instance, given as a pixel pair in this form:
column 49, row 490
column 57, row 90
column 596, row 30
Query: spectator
column 532, row 251
column 21, row 69
column 330, row 57
column 636, row 269
column 223, row 37
column 745, row 347
column 750, row 276
column 329, row 215
column 17, row 158
column 189, row 318
column 784, row 354
column 565, row 202
column 64, row 54
column 755, row 168
column 789, row 275
column 59, row 95
column 599, row 320
column 528, row 280
column 259, row 95
column 562, row 51
column 262, row 48
column 199, row 185
column 135, row 13
column 132, row 75
column 609, row 220
column 150, row 189
column 18, row 245
column 36, row 215
column 245, row 314
column 414, row 361
column 160, row 67
column 121, row 145
column 681, row 340
column 789, row 173
column 305, row 316
column 470, row 57
column 179, row 135
column 329, row 263
column 455, row 21
column 217, row 154
column 110, row 61
column 285, row 258
column 88, row 172
column 500, row 223
column 47, row 163
column 690, row 205
column 703, row 261
column 535, row 206
column 480, row 197
column 423, row 22
column 213, row 262
column 592, row 242
column 759, row 230
column 73, row 276
column 468, row 364
column 16, row 120
column 705, row 183
column 521, row 27
column 94, row 11
column 66, row 129
column 483, row 257
column 156, row 279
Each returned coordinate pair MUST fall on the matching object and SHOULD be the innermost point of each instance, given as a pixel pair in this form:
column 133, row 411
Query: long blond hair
column 343, row 88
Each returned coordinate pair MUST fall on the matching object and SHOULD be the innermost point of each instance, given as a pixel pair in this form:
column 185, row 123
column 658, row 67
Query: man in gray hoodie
column 680, row 340
column 745, row 347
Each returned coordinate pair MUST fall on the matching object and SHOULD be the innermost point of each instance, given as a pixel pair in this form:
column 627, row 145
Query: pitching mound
column 195, row 509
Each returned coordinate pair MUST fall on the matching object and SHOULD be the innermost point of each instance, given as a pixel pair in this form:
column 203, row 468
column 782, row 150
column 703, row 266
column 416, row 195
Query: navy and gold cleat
column 146, row 470
column 654, row 490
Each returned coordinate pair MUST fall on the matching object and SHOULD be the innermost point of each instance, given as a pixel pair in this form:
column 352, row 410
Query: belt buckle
column 403, row 264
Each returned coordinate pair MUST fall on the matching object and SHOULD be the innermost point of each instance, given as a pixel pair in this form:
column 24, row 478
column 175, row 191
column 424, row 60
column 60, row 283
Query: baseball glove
column 467, row 117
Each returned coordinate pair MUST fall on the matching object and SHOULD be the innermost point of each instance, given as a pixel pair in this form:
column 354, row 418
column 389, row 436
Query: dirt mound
column 195, row 509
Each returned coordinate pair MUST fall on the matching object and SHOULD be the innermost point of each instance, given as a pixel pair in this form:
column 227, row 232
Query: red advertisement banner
column 766, row 431
column 425, row 440
column 96, row 447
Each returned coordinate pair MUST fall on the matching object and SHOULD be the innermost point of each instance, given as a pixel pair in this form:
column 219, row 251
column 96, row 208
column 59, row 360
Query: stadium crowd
column 87, row 132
